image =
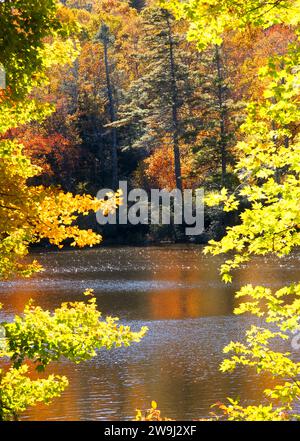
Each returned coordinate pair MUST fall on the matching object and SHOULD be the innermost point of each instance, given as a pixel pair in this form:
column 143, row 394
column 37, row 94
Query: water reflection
column 176, row 291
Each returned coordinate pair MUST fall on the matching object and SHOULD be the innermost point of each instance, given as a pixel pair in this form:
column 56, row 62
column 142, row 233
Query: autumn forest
column 139, row 98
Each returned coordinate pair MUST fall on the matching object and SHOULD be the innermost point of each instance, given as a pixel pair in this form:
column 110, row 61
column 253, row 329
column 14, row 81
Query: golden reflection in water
column 176, row 393
column 183, row 383
column 263, row 272
column 193, row 296
column 18, row 298
column 192, row 303
column 70, row 400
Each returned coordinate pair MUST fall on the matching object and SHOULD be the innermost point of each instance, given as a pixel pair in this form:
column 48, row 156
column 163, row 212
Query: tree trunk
column 222, row 114
column 274, row 128
column 175, row 122
column 112, row 113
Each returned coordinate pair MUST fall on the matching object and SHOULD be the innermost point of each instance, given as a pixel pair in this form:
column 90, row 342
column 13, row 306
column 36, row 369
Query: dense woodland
column 140, row 103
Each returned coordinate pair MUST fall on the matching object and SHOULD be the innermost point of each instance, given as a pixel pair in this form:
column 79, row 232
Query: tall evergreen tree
column 106, row 39
column 156, row 110
column 220, row 117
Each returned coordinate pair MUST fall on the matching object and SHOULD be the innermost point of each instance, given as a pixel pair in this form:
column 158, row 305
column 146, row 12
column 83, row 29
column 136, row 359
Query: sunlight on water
column 176, row 291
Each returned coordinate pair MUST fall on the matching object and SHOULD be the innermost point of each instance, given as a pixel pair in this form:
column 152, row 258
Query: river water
column 176, row 291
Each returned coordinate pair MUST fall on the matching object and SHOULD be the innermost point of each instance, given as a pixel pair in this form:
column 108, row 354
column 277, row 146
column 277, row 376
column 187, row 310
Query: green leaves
column 74, row 331
column 235, row 412
column 29, row 213
column 23, row 27
column 18, row 391
column 209, row 19
column 269, row 173
column 269, row 169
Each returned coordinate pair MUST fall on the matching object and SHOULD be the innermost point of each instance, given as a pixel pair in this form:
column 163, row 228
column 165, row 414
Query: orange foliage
column 55, row 154
column 246, row 53
column 160, row 168
column 125, row 24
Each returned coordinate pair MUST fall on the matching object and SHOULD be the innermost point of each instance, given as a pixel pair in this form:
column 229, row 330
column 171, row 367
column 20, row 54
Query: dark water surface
column 174, row 290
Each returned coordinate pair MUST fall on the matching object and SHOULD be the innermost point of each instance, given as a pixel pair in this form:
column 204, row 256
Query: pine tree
column 157, row 105
column 105, row 37
column 213, row 149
